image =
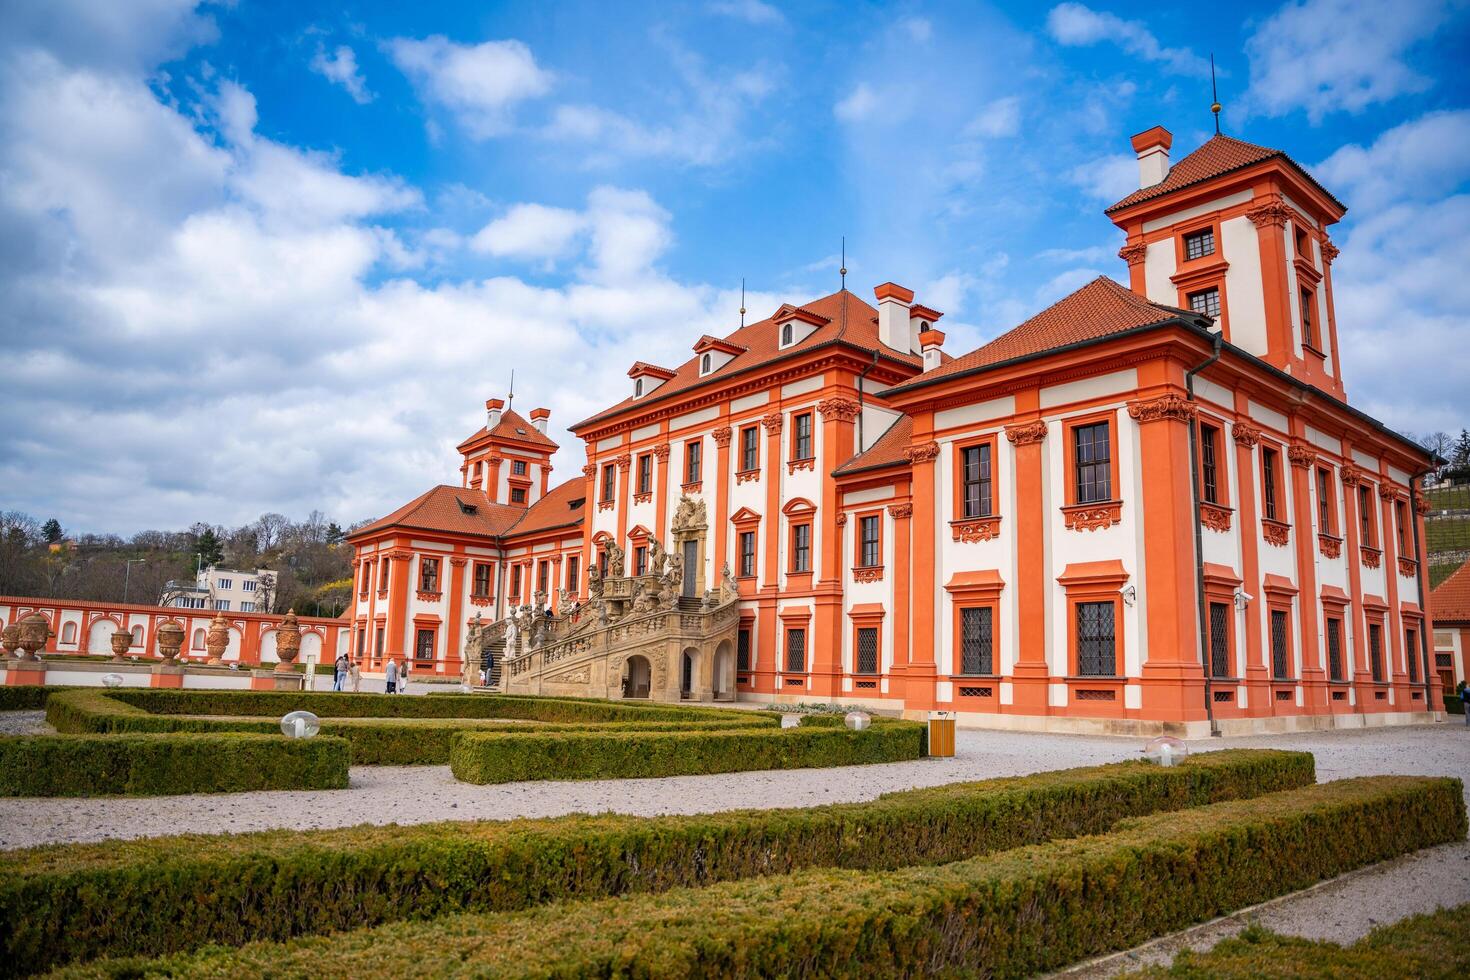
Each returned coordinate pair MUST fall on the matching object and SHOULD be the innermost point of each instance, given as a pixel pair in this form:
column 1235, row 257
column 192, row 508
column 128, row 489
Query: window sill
column 424, row 595
column 605, row 505
column 798, row 580
column 1372, row 557
column 972, row 529
column 1216, row 517
column 1092, row 517
column 692, row 487
column 810, row 463
column 383, row 594
column 1312, row 349
column 643, row 498
column 1408, row 567
column 868, row 573
column 1330, row 545
column 747, row 476
column 1275, row 532
column 480, row 600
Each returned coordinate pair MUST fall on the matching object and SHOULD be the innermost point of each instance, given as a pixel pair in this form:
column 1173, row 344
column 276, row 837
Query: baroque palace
column 1150, row 506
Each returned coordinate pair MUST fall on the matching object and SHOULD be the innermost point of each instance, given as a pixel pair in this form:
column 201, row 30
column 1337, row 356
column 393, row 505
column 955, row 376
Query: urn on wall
column 288, row 641
column 170, row 640
column 122, row 641
column 217, row 639
column 10, row 639
column 35, row 629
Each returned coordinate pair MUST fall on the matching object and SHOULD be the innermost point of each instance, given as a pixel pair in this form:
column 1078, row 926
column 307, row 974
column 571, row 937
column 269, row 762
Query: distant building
column 225, row 589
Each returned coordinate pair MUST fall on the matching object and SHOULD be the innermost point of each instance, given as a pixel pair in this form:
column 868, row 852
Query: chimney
column 539, row 417
column 929, row 343
column 492, row 411
column 1152, row 147
column 893, row 316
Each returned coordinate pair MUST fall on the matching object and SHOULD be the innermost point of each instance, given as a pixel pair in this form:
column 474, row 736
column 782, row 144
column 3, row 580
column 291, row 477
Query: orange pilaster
column 453, row 650
column 1030, row 674
column 1313, row 672
column 1257, row 677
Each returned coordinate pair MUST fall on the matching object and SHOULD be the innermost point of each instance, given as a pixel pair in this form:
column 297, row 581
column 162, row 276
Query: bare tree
column 270, row 531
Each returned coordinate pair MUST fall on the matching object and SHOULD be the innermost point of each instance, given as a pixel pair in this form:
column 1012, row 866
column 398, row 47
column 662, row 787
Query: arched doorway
column 724, row 672
column 636, row 677
column 687, row 672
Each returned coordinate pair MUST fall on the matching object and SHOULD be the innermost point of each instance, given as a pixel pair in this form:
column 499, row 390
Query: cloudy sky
column 274, row 256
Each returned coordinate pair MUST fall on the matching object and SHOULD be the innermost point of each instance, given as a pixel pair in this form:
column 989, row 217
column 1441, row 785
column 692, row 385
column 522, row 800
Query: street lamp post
column 128, row 564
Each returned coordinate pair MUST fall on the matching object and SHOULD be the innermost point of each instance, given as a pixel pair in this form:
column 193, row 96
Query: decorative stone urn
column 288, row 641
column 122, row 642
column 35, row 629
column 217, row 639
column 10, row 640
column 170, row 641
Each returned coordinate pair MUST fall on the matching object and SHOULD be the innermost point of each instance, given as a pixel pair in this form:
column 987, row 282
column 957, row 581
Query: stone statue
column 288, row 641
column 474, row 647
column 540, row 603
column 512, row 636
column 614, row 560
column 729, row 590
column 217, row 640
column 656, row 557
column 594, row 583
column 170, row 638
column 35, row 630
column 690, row 513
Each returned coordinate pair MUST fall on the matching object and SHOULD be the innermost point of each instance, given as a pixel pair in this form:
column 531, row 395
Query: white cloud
column 750, row 11
column 530, row 231
column 480, row 84
column 1108, row 178
column 1421, row 159
column 1338, row 55
column 1001, row 117
column 1077, row 25
column 340, row 67
column 858, row 105
column 918, row 29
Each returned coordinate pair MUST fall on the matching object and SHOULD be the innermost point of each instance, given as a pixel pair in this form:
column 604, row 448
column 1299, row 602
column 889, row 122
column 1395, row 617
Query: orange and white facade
column 1449, row 607
column 1146, row 507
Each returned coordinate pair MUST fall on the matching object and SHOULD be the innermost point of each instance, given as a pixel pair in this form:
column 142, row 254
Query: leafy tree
column 51, row 530
column 335, row 534
column 208, row 546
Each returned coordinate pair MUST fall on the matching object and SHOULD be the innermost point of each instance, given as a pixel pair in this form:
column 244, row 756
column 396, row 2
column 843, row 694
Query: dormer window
column 638, row 388
column 704, row 364
column 786, row 335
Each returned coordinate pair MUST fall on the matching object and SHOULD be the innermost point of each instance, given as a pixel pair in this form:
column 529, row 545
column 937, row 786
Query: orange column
column 1434, row 698
column 453, row 652
column 1257, row 678
column 589, row 510
column 1270, row 219
column 1173, row 677
column 397, row 602
column 1029, row 675
column 624, row 463
column 720, row 529
column 1314, row 674
column 1352, row 523
column 1393, row 624
column 492, row 479
column 838, row 415
column 661, row 492
column 921, row 674
column 903, row 559
column 770, row 539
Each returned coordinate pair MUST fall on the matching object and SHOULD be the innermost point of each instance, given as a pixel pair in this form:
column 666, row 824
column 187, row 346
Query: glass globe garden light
column 858, row 721
column 112, row 680
column 300, row 724
column 1166, row 750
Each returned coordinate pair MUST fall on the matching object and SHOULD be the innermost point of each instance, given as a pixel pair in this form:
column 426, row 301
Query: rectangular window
column 796, row 651
column 482, row 580
column 224, row 583
column 801, row 436
column 1411, row 654
column 1096, row 640
column 1270, row 459
column 1280, row 645
column 428, row 574
column 1401, row 526
column 747, row 553
column 518, row 467
column 977, row 648
column 543, row 576
column 975, row 482
column 361, row 641
column 1092, row 454
column 515, row 581
column 574, row 563
column 379, row 641
column 517, row 495
column 1206, row 302
column 801, row 547
column 645, row 473
column 1209, row 471
column 1365, row 516
column 247, row 607
column 750, row 453
column 383, row 575
column 1309, row 332
column 1375, row 651
column 1220, row 639
column 867, row 650
column 869, row 545
column 609, row 481
column 1199, row 244
column 693, row 461
column 248, row 585
column 640, row 560
column 1325, row 523
column 742, row 650
column 1334, row 649
column 222, row 604
column 423, row 647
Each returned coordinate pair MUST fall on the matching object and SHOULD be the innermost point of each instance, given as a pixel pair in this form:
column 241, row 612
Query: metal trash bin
column 941, row 734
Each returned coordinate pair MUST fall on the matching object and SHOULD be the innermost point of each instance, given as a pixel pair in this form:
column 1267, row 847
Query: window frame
column 991, row 606
column 1199, row 233
column 515, row 581
column 1407, row 545
column 797, row 419
column 750, row 454
column 741, row 536
column 487, row 569
column 1221, row 602
column 1326, row 502
column 1205, row 291
column 1220, row 462
column 428, row 574
column 694, row 462
column 792, row 631
column 1330, row 620
column 799, row 549
column 1367, row 516
column 1379, row 667
column 860, row 549
column 519, row 467
column 1071, row 426
column 1306, row 298
column 988, row 503
column 859, row 626
column 1273, row 484
column 574, row 573
column 609, row 483
column 518, row 495
column 419, row 634
column 1074, row 605
column 1283, row 611
column 645, row 473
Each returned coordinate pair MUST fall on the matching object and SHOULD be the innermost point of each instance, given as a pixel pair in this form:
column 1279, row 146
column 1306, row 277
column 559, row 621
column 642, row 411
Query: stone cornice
column 1165, row 408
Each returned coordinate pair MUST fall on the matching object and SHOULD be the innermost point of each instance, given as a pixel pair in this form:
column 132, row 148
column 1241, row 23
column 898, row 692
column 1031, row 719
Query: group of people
column 348, row 676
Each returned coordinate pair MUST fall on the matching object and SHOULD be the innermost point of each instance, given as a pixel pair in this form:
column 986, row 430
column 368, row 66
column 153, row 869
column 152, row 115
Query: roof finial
column 742, row 301
column 511, row 398
column 843, row 271
column 1214, row 95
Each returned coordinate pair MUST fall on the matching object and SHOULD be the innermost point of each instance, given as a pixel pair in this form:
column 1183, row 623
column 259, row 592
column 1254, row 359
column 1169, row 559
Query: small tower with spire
column 509, row 458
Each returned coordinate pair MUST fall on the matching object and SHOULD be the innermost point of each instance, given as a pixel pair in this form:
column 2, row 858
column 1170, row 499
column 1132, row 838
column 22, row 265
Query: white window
column 224, row 583
column 222, row 604
column 247, row 607
column 248, row 585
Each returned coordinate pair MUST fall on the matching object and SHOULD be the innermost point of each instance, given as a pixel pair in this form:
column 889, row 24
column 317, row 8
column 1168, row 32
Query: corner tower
column 1238, row 232
column 509, row 458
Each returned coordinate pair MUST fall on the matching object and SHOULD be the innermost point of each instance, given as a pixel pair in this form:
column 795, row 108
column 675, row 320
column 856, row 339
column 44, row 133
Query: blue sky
column 274, row 256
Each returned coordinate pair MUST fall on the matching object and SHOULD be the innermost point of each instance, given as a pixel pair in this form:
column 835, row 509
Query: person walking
column 340, row 680
column 390, row 677
column 403, row 677
column 354, row 673
column 1464, row 708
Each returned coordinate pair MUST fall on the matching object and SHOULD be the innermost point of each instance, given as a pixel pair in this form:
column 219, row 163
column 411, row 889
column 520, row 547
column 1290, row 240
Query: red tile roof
column 447, row 509
column 1099, row 309
column 887, row 451
column 761, row 344
column 512, row 426
column 562, row 506
column 1449, row 602
column 1219, row 155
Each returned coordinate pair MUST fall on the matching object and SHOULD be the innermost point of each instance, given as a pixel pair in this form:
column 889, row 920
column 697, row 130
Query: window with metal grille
column 867, row 650
column 1199, row 244
column 517, row 495
column 1269, row 458
column 1208, row 470
column 868, row 532
column 693, row 461
column 975, row 480
column 801, row 548
column 747, row 553
column 1324, row 501
column 609, row 481
column 1309, row 333
column 977, row 650
column 742, row 650
column 801, row 440
column 796, row 651
column 423, row 648
column 1219, row 639
column 1092, row 453
column 1280, row 645
column 750, row 457
column 1206, row 301
column 645, row 473
column 1334, row 649
column 518, row 467
column 1375, row 651
column 429, row 574
column 1365, row 515
column 1096, row 645
column 1411, row 654
column 482, row 579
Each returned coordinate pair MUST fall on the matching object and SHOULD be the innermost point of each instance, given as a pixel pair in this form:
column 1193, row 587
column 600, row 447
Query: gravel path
column 24, row 723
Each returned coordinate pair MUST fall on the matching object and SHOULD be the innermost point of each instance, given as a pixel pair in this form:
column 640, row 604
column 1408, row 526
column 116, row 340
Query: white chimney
column 1152, row 147
column 539, row 417
column 893, row 316
column 929, row 343
column 492, row 412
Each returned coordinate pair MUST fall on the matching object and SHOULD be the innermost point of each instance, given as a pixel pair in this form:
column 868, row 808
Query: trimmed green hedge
column 26, row 697
column 1454, row 705
column 599, row 754
column 1018, row 913
column 1433, row 945
column 156, row 765
column 159, row 895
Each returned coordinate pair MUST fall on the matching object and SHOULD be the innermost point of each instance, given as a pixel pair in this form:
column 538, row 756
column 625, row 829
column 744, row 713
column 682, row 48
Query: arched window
column 704, row 364
column 69, row 633
column 199, row 639
column 137, row 635
column 786, row 335
column 638, row 388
